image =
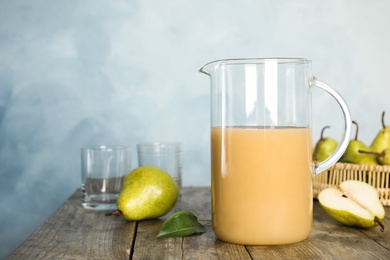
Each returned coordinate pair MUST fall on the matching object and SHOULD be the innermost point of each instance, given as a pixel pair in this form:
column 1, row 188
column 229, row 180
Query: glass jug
column 261, row 149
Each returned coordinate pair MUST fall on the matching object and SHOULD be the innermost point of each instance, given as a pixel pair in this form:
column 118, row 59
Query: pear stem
column 378, row 155
column 369, row 152
column 113, row 213
column 357, row 129
column 383, row 120
column 322, row 132
column 377, row 220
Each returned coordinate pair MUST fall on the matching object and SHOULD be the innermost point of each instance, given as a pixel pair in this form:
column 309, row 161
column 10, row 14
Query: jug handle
column 346, row 133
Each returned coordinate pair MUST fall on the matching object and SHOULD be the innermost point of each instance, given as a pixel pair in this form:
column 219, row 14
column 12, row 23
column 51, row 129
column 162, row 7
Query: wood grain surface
column 73, row 232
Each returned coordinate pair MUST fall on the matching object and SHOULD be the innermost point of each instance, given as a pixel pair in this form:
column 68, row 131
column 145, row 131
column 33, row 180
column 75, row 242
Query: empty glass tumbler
column 167, row 156
column 103, row 169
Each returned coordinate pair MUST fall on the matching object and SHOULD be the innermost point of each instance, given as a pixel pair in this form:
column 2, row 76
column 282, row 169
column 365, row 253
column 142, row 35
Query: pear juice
column 261, row 184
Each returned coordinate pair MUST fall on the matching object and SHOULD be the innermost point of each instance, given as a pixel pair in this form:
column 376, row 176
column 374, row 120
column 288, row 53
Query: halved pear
column 353, row 203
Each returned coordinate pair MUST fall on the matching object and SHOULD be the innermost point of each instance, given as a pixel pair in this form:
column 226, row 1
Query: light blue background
column 120, row 72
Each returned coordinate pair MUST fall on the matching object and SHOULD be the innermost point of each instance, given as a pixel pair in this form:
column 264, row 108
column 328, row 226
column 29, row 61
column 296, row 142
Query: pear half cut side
column 353, row 203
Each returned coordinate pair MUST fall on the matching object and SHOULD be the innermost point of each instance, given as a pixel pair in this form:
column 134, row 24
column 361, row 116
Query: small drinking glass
column 103, row 169
column 167, row 156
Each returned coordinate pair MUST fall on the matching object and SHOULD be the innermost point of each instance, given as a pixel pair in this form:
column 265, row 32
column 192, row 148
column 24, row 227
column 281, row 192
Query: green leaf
column 180, row 224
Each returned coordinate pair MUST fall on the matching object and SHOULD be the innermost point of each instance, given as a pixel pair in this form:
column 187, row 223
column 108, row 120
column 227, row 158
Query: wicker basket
column 376, row 175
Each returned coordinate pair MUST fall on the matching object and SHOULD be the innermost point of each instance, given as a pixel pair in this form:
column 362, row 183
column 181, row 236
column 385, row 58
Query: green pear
column 324, row 147
column 147, row 193
column 353, row 203
column 352, row 155
column 382, row 139
column 383, row 158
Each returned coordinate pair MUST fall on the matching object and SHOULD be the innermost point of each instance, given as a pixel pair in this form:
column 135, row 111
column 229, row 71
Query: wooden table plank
column 75, row 233
column 328, row 240
column 205, row 246
column 147, row 246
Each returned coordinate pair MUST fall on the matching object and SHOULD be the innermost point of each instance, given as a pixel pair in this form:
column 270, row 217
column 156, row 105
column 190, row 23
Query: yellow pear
column 324, row 147
column 147, row 193
column 353, row 203
column 382, row 139
column 352, row 154
column 383, row 158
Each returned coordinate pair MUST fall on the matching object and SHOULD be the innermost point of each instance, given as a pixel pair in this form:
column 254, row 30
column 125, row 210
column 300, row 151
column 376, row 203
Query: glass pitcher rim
column 243, row 61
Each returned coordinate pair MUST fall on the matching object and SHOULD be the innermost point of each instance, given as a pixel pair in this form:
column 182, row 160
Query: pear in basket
column 352, row 154
column 382, row 139
column 324, row 147
column 383, row 158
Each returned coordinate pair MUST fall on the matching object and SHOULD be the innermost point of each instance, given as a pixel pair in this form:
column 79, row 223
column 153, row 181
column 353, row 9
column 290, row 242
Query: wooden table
column 75, row 233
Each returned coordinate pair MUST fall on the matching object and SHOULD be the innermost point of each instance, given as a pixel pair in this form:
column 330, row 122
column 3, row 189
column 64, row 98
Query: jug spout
column 212, row 66
column 207, row 68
